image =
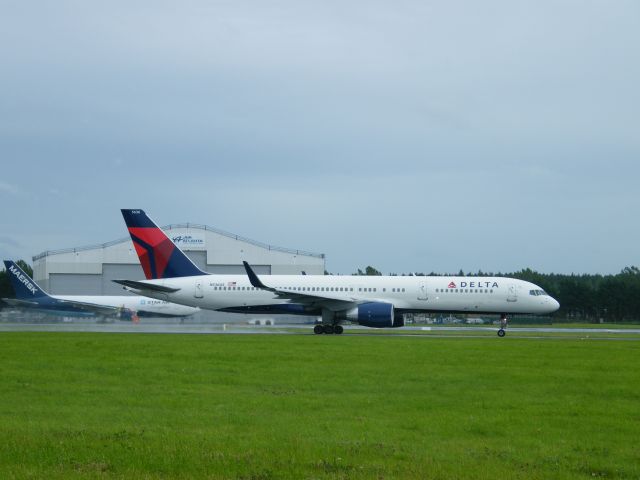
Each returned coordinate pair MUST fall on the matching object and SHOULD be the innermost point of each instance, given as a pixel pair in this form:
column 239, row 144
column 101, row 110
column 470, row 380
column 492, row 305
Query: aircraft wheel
column 328, row 329
column 501, row 333
column 318, row 329
column 337, row 329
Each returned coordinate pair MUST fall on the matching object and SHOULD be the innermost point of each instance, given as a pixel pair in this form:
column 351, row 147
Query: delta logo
column 474, row 284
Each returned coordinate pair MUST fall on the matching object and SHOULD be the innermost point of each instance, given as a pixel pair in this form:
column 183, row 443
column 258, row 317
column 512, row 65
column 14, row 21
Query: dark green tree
column 372, row 271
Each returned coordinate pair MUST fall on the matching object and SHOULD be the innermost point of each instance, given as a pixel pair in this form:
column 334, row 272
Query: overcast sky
column 407, row 135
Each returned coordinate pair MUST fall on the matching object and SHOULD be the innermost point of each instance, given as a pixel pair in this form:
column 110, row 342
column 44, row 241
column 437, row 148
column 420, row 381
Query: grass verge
column 85, row 405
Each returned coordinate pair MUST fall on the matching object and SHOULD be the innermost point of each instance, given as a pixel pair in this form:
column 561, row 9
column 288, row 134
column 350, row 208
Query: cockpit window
column 535, row 293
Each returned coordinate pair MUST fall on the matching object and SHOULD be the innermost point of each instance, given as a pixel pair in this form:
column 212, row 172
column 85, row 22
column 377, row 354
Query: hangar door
column 119, row 271
column 238, row 269
column 199, row 258
column 75, row 284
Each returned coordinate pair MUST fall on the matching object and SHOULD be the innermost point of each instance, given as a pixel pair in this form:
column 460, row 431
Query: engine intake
column 375, row 315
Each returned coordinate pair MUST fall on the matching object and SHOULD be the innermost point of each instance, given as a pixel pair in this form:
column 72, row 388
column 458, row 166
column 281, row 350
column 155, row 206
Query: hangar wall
column 90, row 270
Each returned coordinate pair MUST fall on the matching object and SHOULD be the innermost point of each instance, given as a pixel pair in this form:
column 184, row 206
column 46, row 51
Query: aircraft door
column 198, row 293
column 512, row 294
column 422, row 291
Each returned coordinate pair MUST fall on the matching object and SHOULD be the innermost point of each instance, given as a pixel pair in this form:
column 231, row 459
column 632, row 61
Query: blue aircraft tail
column 23, row 284
column 159, row 256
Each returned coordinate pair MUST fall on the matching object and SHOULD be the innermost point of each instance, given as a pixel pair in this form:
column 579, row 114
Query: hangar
column 90, row 270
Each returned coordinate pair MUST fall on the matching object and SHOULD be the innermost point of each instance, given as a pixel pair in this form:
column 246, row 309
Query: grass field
column 82, row 405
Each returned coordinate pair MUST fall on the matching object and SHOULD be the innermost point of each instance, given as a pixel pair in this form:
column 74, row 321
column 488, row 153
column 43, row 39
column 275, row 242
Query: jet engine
column 375, row 315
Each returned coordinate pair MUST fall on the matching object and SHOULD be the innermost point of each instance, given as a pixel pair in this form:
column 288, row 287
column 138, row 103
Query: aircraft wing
column 15, row 302
column 319, row 299
column 91, row 307
column 88, row 307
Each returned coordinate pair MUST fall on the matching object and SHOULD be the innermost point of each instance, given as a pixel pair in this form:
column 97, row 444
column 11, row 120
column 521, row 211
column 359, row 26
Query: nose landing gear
column 503, row 325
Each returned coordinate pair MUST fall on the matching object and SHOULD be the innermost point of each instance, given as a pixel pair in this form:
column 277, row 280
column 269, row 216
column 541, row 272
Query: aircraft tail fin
column 25, row 287
column 159, row 256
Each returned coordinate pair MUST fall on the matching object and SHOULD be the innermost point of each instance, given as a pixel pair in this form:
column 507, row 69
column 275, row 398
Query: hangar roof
column 184, row 225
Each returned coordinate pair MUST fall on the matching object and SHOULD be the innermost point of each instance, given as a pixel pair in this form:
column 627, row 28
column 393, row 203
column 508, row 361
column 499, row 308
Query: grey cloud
column 413, row 135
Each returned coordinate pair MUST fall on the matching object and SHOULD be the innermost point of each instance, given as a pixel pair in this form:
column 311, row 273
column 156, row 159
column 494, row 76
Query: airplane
column 372, row 301
column 127, row 307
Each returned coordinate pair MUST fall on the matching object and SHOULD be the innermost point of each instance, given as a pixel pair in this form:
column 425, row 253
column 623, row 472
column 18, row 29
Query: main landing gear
column 327, row 329
column 503, row 325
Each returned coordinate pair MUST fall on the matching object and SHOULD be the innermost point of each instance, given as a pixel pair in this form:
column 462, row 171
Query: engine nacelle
column 375, row 315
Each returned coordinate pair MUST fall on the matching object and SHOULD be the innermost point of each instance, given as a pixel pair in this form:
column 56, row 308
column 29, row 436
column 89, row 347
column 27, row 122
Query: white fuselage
column 137, row 304
column 408, row 293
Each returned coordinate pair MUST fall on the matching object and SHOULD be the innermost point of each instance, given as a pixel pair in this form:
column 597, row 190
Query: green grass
column 82, row 405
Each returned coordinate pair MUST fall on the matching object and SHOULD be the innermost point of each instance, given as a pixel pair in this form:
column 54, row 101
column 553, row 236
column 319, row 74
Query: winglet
column 253, row 278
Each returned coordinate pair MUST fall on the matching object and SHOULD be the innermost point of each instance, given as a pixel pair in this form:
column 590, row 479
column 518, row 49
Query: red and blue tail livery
column 159, row 256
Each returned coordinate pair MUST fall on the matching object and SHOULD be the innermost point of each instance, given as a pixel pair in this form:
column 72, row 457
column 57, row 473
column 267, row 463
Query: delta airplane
column 30, row 295
column 372, row 301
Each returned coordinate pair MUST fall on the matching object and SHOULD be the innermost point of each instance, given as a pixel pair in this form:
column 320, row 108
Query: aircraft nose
column 553, row 304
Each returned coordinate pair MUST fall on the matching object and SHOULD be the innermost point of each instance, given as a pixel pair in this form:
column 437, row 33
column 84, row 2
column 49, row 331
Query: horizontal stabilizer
column 146, row 286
